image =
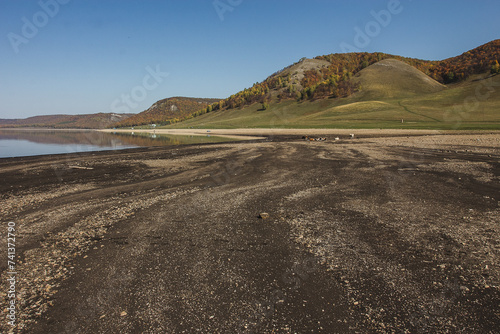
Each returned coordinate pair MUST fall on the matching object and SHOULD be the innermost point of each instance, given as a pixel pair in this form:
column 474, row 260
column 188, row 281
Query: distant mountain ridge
column 87, row 121
column 167, row 111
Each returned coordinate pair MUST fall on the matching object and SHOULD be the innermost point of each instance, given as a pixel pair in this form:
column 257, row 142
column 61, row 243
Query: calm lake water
column 19, row 143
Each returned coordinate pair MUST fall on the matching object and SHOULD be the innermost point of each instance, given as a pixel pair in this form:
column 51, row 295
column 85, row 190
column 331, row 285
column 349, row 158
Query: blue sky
column 88, row 56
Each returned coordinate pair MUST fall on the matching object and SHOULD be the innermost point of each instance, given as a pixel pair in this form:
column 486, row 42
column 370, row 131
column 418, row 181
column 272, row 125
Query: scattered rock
column 313, row 139
column 264, row 215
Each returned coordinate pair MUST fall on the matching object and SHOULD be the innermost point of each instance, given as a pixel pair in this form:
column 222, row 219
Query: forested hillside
column 88, row 121
column 167, row 111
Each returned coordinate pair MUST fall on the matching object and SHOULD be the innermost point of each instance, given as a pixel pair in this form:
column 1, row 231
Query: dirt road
column 364, row 235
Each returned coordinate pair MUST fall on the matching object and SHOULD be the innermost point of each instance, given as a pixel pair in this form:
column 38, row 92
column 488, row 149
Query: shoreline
column 273, row 131
column 265, row 135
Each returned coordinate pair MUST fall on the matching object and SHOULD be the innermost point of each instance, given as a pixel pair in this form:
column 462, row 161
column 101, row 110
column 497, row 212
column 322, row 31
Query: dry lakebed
column 386, row 232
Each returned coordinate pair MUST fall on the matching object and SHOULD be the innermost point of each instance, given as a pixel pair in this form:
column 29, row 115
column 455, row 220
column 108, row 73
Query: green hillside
column 383, row 100
column 374, row 90
column 393, row 78
column 352, row 90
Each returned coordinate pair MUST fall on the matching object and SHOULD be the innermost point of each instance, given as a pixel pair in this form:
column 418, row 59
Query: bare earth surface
column 383, row 233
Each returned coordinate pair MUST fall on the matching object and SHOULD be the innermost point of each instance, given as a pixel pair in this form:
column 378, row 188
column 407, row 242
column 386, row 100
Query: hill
column 392, row 78
column 365, row 89
column 452, row 108
column 90, row 121
column 167, row 111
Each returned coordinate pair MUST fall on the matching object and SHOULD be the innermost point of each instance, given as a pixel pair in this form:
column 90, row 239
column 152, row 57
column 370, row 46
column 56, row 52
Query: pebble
column 264, row 215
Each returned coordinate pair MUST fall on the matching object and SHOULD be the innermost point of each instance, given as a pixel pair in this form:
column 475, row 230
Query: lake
column 19, row 143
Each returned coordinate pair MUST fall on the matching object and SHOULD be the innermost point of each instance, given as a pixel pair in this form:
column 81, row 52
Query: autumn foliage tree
column 495, row 68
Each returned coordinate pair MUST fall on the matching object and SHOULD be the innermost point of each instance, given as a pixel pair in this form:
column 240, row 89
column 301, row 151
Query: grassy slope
column 453, row 107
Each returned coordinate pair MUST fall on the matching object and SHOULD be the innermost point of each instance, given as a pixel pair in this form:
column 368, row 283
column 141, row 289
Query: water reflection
column 154, row 139
column 14, row 143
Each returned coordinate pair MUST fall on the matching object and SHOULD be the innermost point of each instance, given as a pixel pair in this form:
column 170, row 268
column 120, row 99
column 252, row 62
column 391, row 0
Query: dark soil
column 362, row 237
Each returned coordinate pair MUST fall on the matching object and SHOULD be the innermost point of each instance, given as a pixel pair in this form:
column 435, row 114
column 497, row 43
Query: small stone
column 123, row 314
column 264, row 215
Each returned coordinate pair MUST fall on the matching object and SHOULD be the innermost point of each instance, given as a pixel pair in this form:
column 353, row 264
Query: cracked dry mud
column 367, row 235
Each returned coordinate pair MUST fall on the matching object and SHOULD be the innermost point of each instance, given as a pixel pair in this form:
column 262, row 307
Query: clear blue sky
column 87, row 56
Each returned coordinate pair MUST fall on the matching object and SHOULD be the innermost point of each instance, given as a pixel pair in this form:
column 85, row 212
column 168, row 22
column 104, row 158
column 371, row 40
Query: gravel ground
column 389, row 232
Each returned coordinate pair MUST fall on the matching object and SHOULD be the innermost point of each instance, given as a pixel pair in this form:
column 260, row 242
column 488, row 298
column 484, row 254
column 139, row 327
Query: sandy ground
column 284, row 132
column 247, row 135
column 312, row 132
column 390, row 232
